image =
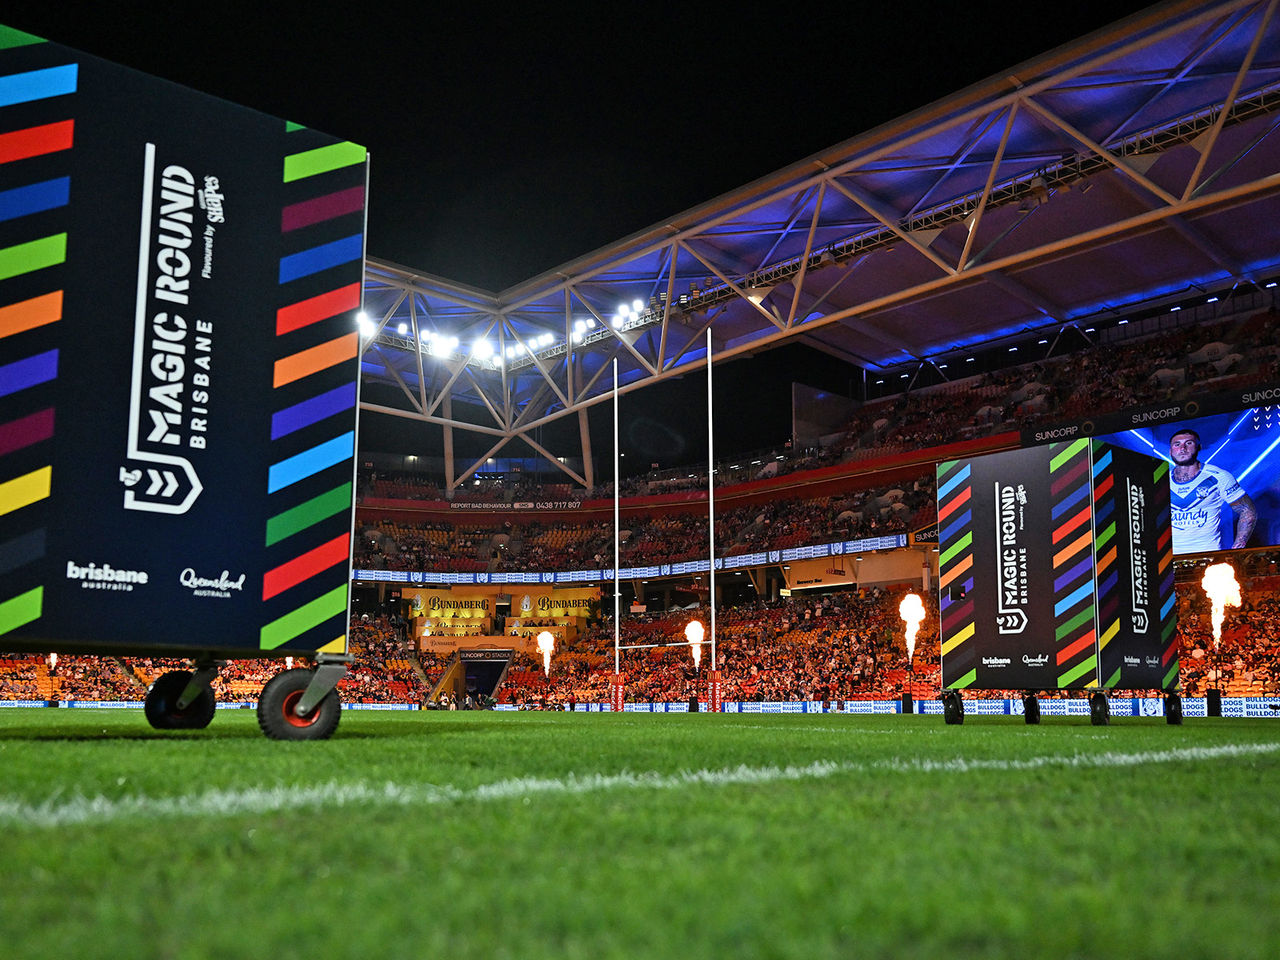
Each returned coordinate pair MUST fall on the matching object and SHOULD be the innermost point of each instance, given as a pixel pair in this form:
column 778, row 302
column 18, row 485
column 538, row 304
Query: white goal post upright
column 617, row 533
column 711, row 508
column 617, row 681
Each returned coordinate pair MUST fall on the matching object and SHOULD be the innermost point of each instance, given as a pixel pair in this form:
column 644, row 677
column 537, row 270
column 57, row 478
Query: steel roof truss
column 798, row 284
column 759, row 308
column 1206, row 147
column 617, row 334
column 890, row 222
column 1052, row 118
column 975, row 219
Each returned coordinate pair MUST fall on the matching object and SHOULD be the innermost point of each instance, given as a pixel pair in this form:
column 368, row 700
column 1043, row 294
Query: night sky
column 506, row 140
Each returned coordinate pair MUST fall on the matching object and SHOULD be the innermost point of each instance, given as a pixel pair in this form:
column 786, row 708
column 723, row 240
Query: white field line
column 58, row 811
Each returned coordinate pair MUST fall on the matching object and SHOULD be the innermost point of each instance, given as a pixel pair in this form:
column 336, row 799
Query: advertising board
column 178, row 385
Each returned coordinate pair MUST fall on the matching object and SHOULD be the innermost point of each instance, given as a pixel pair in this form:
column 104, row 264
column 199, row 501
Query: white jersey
column 1197, row 508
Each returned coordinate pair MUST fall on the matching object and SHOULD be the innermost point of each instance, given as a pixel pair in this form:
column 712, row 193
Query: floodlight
column 482, row 349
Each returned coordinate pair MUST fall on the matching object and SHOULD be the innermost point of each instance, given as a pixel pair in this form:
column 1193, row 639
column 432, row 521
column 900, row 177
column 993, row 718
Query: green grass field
column 523, row 835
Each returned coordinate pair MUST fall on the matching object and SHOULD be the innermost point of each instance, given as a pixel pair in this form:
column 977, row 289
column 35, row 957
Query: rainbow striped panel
column 1131, row 536
column 35, row 193
column 1169, row 661
column 1071, row 548
column 1105, row 553
column 316, row 381
column 955, row 575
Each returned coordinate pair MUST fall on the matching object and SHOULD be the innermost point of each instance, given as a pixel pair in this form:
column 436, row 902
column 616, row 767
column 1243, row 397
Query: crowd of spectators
column 851, row 645
column 846, row 644
column 511, row 545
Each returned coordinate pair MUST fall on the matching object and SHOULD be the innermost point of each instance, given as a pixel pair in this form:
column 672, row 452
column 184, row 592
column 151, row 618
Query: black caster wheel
column 952, row 707
column 1099, row 709
column 161, row 705
column 277, row 709
column 1030, row 709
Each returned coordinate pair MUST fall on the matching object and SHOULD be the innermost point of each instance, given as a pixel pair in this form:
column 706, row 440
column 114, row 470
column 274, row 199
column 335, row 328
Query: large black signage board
column 178, row 391
column 1055, row 569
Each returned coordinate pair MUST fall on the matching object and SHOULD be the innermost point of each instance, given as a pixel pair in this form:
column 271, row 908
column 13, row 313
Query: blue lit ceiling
column 1103, row 174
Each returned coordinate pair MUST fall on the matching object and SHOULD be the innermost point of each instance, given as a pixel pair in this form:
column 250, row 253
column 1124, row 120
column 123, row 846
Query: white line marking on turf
column 93, row 811
column 847, row 731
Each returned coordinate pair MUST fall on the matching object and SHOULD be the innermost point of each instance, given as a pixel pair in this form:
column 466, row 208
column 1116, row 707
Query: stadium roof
column 1138, row 164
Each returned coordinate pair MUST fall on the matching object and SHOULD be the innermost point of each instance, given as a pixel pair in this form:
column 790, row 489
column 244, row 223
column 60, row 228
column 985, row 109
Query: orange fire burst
column 1219, row 583
column 911, row 609
column 694, row 633
column 546, row 643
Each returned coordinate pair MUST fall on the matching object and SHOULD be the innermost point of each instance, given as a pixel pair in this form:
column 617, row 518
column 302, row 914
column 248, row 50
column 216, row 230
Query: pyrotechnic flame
column 694, row 633
column 546, row 643
column 1220, row 586
column 911, row 609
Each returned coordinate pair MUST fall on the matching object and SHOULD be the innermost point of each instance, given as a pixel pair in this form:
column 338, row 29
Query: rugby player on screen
column 1198, row 491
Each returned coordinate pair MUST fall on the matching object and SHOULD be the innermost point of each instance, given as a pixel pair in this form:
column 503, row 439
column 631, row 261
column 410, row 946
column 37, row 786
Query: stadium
column 1080, row 250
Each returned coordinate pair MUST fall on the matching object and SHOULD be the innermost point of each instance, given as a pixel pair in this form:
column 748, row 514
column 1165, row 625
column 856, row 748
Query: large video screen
column 1224, row 477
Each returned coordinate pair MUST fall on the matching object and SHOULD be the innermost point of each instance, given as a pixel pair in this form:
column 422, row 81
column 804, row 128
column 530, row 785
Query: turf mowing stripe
column 94, row 811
